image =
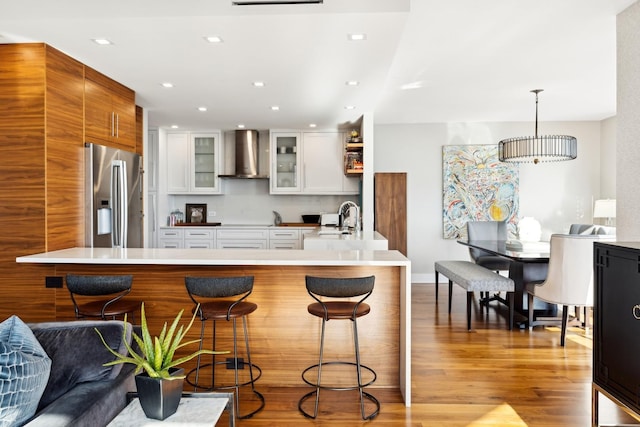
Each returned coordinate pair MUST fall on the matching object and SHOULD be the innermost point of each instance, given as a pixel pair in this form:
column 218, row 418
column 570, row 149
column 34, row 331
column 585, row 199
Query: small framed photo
column 196, row 213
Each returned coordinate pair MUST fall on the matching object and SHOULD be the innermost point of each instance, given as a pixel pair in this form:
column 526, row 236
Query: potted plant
column 160, row 385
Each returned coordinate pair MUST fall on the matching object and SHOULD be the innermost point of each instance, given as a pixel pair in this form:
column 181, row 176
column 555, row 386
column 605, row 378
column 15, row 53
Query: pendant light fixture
column 536, row 149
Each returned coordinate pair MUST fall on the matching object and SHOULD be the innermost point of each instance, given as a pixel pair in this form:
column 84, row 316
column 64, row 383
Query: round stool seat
column 120, row 307
column 218, row 310
column 338, row 309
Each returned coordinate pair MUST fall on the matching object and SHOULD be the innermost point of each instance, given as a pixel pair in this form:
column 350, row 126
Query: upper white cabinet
column 285, row 159
column 323, row 164
column 193, row 163
column 309, row 163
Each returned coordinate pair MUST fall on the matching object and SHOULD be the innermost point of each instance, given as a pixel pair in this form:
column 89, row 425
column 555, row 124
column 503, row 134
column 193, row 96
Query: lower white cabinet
column 242, row 238
column 172, row 238
column 284, row 238
column 248, row 237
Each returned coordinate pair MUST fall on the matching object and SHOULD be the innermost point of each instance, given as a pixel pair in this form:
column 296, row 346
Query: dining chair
column 569, row 280
column 488, row 230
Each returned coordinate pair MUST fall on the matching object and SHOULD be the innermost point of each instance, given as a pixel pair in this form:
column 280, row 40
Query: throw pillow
column 24, row 371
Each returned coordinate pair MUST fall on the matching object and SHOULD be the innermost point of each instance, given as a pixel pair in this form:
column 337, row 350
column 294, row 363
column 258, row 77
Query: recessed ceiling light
column 357, row 37
column 352, row 83
column 258, row 84
column 102, row 42
column 240, row 126
column 167, row 84
column 174, row 126
column 214, row 39
column 349, row 107
column 275, row 108
column 202, row 108
column 312, row 125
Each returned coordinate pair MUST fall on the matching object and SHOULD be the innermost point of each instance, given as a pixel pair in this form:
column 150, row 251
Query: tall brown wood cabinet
column 50, row 104
column 390, row 214
column 110, row 115
column 41, row 165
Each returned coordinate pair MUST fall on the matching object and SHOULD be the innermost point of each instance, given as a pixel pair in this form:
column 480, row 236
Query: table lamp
column 605, row 208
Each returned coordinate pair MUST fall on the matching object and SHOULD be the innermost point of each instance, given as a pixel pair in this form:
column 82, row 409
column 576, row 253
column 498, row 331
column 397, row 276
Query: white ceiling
column 422, row 60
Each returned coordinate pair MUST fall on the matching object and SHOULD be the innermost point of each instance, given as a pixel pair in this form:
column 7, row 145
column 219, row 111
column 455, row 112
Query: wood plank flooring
column 489, row 376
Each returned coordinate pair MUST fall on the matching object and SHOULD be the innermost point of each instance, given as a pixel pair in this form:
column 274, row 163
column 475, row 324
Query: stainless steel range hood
column 246, row 160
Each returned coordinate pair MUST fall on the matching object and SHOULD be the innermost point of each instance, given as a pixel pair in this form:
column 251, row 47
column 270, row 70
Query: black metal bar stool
column 344, row 289
column 113, row 287
column 224, row 298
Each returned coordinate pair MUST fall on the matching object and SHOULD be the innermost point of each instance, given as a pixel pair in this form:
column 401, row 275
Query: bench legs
column 510, row 296
column 436, row 286
column 450, row 294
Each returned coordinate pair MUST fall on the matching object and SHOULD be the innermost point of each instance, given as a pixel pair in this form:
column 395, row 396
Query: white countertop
column 332, row 238
column 162, row 256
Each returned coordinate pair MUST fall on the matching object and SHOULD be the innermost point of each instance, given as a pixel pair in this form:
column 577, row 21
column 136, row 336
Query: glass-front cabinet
column 204, row 162
column 285, row 162
column 193, row 163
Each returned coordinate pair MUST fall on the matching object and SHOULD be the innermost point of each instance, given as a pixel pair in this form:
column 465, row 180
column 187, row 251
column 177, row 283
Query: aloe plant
column 157, row 354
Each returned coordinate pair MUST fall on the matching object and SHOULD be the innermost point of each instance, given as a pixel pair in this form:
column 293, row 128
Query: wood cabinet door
column 123, row 104
column 109, row 112
column 98, row 114
column 390, row 210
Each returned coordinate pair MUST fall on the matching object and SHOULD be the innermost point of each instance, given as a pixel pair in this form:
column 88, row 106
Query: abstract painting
column 477, row 187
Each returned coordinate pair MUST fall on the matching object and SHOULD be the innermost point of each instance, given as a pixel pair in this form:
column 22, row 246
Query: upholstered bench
column 472, row 278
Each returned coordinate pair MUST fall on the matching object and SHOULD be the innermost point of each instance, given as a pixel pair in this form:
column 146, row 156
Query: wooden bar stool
column 224, row 298
column 344, row 289
column 113, row 287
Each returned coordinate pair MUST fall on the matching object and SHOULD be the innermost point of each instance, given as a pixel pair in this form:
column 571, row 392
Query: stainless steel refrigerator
column 113, row 197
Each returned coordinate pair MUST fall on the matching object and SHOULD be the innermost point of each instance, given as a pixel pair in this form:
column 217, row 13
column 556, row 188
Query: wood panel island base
column 284, row 337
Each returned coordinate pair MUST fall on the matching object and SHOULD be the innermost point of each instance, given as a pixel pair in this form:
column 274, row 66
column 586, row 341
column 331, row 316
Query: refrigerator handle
column 118, row 203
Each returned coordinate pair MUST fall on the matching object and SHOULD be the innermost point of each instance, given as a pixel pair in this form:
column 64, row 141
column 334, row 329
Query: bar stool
column 217, row 303
column 344, row 309
column 115, row 287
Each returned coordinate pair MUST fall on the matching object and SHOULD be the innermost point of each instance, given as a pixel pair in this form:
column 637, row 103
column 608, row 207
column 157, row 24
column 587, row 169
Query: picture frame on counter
column 196, row 213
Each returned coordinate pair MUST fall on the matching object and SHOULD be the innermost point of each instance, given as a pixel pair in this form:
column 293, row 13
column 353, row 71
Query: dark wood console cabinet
column 616, row 337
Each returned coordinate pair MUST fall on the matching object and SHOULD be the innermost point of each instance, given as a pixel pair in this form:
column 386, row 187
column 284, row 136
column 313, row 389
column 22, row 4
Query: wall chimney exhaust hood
column 246, row 156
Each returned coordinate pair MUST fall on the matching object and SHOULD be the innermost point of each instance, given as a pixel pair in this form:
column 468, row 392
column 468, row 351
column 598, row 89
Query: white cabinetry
column 242, row 238
column 171, row 238
column 193, row 163
column 309, row 163
column 323, row 164
column 284, row 238
column 201, row 238
column 285, row 159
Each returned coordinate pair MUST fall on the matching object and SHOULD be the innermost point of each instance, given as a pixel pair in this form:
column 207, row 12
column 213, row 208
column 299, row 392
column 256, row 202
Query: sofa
column 80, row 391
column 586, row 229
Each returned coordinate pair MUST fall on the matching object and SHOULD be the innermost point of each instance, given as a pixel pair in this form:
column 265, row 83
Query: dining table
column 529, row 263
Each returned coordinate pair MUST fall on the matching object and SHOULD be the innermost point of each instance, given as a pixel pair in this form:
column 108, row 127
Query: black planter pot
column 159, row 397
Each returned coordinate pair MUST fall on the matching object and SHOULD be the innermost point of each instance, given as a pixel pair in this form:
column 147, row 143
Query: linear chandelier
column 536, row 149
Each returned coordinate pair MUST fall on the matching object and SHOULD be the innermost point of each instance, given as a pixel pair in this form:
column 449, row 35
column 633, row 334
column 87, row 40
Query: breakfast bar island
column 284, row 337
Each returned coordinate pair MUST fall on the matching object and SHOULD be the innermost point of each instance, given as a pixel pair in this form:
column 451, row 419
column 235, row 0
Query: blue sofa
column 80, row 391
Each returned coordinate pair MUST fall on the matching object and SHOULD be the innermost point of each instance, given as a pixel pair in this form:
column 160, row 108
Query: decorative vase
column 160, row 397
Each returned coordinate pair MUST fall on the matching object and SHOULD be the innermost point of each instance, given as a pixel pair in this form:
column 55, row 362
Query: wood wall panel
column 284, row 337
column 390, row 215
column 34, row 158
column 65, row 151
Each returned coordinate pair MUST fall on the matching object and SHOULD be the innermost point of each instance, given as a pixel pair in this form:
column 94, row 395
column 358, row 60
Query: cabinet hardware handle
column 636, row 311
column 117, row 125
column 112, row 122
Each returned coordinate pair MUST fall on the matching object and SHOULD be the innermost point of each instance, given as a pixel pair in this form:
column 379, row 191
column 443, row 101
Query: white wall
column 556, row 194
column 628, row 129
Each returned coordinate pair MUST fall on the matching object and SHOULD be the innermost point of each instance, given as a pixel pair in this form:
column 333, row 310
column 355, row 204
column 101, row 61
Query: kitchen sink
column 334, row 232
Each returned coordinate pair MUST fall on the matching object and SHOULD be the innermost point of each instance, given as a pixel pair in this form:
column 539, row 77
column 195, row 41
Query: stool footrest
column 365, row 395
column 334, row 387
column 222, row 386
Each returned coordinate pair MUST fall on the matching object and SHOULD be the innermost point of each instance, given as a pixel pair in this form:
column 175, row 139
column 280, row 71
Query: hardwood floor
column 489, row 376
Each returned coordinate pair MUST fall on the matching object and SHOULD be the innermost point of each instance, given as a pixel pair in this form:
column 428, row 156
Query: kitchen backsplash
column 249, row 202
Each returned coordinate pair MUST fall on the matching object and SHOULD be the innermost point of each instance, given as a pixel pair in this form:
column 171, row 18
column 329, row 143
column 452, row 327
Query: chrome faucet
column 344, row 212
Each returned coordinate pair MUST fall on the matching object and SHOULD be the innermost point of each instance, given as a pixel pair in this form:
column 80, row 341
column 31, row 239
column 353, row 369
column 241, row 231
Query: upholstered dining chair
column 488, row 230
column 569, row 279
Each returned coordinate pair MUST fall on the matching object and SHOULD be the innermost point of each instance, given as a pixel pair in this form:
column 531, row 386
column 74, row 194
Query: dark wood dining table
column 529, row 263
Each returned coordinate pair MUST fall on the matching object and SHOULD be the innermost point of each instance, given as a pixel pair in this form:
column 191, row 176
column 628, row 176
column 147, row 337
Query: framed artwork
column 196, row 213
column 477, row 187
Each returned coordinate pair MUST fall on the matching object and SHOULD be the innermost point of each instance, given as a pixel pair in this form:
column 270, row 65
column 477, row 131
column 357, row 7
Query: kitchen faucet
column 344, row 212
